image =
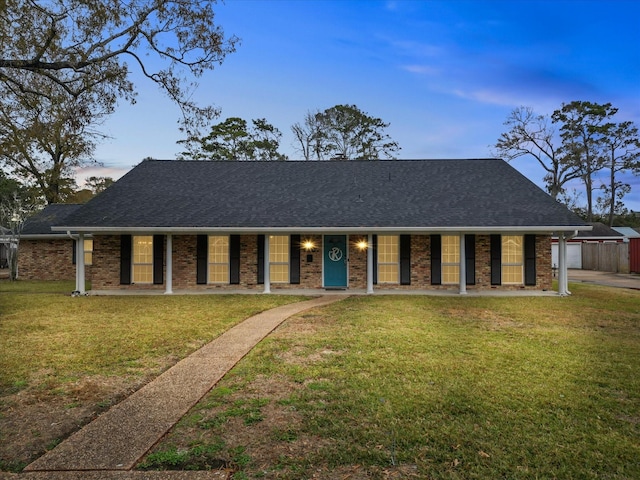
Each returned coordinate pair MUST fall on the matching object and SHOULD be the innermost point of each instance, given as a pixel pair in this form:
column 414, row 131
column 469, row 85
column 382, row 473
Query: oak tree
column 621, row 154
column 343, row 132
column 583, row 133
column 234, row 139
column 73, row 59
column 532, row 135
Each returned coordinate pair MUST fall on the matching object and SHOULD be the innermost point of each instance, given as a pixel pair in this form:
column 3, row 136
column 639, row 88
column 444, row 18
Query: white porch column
column 267, row 279
column 169, row 283
column 80, row 264
column 562, row 264
column 370, row 263
column 463, row 266
column 77, row 247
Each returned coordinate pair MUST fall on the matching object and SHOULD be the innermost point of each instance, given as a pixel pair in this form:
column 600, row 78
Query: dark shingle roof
column 600, row 230
column 339, row 194
column 41, row 222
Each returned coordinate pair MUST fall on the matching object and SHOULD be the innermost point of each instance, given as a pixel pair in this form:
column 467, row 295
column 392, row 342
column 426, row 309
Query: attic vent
column 339, row 156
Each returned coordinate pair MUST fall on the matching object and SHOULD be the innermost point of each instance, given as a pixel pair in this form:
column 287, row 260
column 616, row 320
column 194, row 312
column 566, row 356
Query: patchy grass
column 63, row 360
column 30, row 286
column 435, row 387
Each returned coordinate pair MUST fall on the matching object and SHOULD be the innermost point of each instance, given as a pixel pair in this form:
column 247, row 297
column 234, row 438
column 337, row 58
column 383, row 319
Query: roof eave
column 546, row 229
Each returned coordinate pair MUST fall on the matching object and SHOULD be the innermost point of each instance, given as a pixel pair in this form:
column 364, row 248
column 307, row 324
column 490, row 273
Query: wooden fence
column 605, row 257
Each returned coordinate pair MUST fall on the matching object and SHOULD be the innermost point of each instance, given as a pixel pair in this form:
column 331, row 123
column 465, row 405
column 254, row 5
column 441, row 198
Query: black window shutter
column 496, row 259
column 294, row 259
column 234, row 259
column 202, row 245
column 260, row 259
column 405, row 259
column 529, row 259
column 470, row 258
column 125, row 259
column 73, row 252
column 158, row 259
column 374, row 239
column 436, row 260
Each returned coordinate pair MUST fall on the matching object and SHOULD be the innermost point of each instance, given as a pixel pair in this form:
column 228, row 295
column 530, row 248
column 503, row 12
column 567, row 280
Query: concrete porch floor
column 347, row 292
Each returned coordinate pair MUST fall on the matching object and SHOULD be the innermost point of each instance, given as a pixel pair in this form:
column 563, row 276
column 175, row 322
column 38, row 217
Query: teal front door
column 335, row 261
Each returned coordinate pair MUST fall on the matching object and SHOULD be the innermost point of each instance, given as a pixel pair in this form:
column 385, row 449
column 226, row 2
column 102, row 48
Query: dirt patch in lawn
column 260, row 435
column 34, row 421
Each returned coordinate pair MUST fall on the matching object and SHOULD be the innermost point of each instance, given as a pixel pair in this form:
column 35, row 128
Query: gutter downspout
column 566, row 276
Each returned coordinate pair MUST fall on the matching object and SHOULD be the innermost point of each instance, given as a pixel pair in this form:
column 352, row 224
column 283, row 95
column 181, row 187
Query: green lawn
column 49, row 339
column 436, row 387
column 369, row 387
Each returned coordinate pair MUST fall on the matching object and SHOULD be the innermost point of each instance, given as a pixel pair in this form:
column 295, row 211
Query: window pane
column 388, row 273
column 218, row 259
column 219, row 273
column 451, row 274
column 218, row 249
column 88, row 251
column 143, row 259
column 388, row 249
column 388, row 258
column 450, row 249
column 279, row 273
column 511, row 249
column 512, row 274
column 512, row 259
column 143, row 249
column 279, row 248
column 142, row 273
column 450, row 259
column 279, row 258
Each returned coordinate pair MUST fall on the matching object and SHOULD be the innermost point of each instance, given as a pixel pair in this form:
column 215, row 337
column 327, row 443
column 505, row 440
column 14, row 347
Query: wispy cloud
column 421, row 69
column 96, row 171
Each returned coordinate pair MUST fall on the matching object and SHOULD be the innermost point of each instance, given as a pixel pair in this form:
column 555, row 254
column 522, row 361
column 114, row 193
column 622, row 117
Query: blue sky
column 444, row 74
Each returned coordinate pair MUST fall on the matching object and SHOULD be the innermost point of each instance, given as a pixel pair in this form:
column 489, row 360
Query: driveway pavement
column 609, row 279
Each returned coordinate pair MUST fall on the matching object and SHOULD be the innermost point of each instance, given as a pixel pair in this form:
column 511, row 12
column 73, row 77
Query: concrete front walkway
column 119, row 438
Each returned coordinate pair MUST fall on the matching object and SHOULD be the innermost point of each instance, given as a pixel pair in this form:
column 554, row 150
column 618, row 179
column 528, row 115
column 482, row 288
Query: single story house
column 369, row 225
column 47, row 255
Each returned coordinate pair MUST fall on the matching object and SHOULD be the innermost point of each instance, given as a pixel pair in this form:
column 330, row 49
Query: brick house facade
column 46, row 259
column 405, row 225
column 107, row 258
column 45, row 255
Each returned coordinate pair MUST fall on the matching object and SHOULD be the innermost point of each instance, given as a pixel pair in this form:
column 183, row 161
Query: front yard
column 369, row 387
column 64, row 360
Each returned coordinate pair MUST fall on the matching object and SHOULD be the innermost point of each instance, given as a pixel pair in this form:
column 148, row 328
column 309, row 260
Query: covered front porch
column 417, row 265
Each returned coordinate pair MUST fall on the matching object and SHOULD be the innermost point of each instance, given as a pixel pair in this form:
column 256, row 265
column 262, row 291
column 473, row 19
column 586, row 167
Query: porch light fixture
column 362, row 245
column 308, row 245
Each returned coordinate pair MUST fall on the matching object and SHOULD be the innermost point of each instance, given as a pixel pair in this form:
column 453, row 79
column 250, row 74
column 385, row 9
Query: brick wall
column 106, row 262
column 310, row 263
column 106, row 269
column 48, row 260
